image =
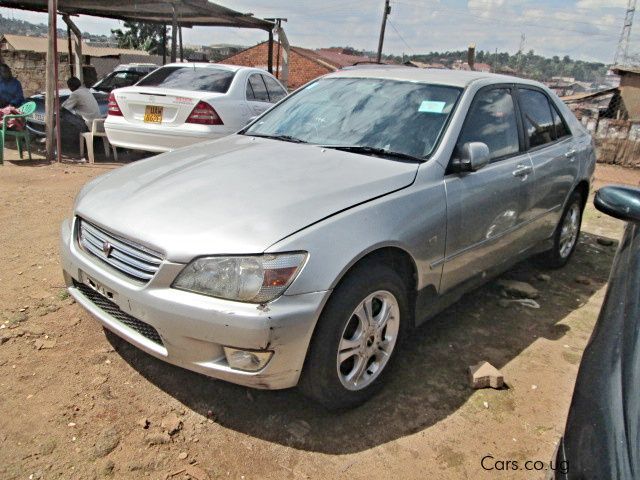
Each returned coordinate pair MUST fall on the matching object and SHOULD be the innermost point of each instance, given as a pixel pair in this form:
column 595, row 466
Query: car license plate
column 153, row 114
column 96, row 286
column 38, row 117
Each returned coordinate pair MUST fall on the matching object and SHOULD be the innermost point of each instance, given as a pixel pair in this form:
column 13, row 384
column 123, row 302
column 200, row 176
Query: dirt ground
column 76, row 403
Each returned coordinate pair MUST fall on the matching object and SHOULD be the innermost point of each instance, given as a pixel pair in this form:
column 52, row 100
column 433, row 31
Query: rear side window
column 536, row 112
column 249, row 93
column 492, row 120
column 276, row 92
column 560, row 126
column 259, row 88
column 200, row 79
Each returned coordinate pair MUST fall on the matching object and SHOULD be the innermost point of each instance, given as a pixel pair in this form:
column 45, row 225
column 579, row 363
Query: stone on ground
column 518, row 289
column 485, row 375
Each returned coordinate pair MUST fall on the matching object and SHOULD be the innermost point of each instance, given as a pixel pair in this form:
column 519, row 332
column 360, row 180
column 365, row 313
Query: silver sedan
column 303, row 249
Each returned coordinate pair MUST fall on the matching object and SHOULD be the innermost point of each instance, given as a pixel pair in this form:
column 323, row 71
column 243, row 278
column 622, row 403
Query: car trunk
column 160, row 106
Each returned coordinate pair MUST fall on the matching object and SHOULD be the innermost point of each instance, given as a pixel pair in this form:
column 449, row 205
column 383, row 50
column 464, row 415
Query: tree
column 141, row 36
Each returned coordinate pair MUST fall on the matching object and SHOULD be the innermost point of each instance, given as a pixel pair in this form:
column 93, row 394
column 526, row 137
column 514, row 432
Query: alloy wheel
column 569, row 231
column 368, row 340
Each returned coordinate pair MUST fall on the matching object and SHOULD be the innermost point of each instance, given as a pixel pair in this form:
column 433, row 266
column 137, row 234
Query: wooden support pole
column 69, row 51
column 270, row 55
column 278, row 59
column 51, row 81
column 181, row 49
column 77, row 40
column 164, row 45
column 174, row 35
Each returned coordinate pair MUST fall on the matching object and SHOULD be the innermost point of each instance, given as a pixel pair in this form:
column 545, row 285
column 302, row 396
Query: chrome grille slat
column 112, row 309
column 123, row 267
column 127, row 257
column 138, row 250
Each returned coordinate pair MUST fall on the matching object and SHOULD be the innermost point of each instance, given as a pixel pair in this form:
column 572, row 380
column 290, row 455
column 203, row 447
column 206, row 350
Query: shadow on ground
column 429, row 382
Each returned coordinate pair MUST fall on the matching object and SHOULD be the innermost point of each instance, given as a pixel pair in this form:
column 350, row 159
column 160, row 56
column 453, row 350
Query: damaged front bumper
column 191, row 330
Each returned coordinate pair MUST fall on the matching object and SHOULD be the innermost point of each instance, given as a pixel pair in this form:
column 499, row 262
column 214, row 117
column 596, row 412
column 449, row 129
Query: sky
column 582, row 29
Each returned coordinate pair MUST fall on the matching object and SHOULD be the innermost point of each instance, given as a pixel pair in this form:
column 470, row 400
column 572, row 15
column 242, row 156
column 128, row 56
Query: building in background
column 629, row 108
column 27, row 58
column 304, row 64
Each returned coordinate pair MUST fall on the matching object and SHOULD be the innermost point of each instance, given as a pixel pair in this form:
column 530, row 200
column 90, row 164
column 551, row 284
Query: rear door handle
column 522, row 171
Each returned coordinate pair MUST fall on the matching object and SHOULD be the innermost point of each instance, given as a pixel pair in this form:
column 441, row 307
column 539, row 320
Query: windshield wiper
column 284, row 138
column 365, row 150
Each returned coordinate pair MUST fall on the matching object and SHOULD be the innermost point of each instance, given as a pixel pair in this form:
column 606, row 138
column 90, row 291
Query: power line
column 401, row 37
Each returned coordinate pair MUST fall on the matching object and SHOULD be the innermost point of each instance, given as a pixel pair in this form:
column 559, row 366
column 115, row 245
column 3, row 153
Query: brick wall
column 30, row 69
column 301, row 69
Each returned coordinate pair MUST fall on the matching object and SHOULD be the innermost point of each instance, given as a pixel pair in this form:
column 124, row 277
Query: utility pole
column 622, row 52
column 523, row 39
column 51, row 87
column 387, row 11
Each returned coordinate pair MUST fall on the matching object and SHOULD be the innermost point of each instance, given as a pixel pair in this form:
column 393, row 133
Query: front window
column 492, row 120
column 188, row 77
column 391, row 115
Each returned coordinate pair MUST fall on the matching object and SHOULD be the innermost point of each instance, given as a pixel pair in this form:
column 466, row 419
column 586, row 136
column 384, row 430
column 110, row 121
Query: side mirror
column 619, row 202
column 473, row 156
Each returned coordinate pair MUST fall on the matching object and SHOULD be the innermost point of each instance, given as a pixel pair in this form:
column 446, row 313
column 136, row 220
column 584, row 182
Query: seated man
column 10, row 88
column 82, row 102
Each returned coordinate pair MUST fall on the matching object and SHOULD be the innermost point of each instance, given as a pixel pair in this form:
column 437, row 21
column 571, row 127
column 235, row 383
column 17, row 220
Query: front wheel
column 565, row 238
column 357, row 337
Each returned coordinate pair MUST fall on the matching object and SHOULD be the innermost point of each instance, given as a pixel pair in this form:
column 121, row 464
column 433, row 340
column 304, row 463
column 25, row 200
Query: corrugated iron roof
column 188, row 12
column 39, row 44
column 587, row 95
column 621, row 70
column 340, row 59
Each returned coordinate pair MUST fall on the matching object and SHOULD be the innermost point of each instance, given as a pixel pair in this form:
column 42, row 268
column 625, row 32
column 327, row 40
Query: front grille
column 135, row 261
column 112, row 309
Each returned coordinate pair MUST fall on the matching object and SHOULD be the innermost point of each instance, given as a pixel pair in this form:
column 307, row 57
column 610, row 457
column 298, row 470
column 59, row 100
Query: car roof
column 233, row 68
column 456, row 78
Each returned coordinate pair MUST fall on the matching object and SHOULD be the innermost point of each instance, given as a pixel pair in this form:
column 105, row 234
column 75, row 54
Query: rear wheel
column 565, row 238
column 357, row 338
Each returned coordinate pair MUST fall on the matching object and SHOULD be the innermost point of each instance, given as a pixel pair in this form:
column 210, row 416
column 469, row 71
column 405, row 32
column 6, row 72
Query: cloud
column 586, row 29
column 599, row 4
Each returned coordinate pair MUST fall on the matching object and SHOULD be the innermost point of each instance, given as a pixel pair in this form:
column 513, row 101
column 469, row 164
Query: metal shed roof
column 40, row 45
column 188, row 12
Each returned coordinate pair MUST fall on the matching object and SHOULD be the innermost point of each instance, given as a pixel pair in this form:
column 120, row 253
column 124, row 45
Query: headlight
column 252, row 279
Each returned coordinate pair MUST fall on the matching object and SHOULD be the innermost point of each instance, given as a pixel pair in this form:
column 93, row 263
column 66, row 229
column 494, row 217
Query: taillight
column 113, row 108
column 204, row 114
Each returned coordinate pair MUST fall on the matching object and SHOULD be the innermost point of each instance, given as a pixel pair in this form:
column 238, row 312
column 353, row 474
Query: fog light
column 248, row 360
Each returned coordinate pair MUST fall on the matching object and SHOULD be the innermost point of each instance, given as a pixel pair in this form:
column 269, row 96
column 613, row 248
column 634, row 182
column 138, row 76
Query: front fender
column 412, row 219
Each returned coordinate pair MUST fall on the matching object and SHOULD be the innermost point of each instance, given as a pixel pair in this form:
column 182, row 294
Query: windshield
column 201, row 79
column 395, row 116
column 118, row 80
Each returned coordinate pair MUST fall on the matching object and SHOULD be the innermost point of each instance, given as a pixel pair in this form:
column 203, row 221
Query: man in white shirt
column 82, row 102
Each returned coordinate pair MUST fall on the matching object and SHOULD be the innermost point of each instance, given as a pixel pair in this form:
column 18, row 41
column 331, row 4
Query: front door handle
column 571, row 154
column 522, row 171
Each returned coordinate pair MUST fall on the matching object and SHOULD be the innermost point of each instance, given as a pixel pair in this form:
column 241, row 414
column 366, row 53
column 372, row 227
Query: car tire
column 567, row 233
column 344, row 324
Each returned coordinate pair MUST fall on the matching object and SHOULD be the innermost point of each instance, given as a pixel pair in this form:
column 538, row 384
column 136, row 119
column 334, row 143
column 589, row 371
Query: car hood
column 236, row 195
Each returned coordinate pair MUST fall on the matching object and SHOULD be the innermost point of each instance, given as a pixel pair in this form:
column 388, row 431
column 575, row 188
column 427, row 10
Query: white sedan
column 181, row 104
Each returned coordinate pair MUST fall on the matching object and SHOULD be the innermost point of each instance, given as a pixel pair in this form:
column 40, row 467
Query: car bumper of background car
column 159, row 139
column 192, row 329
column 37, row 129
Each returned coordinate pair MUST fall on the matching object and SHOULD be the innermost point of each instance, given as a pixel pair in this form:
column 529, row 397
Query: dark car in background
column 602, row 435
column 122, row 76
